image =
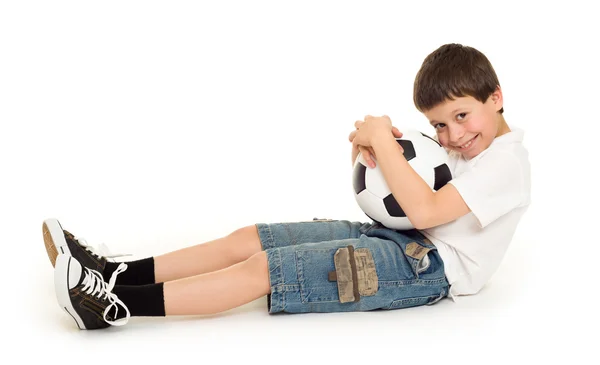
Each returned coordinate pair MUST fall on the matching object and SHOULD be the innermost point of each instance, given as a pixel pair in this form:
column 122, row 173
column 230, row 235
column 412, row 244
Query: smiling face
column 468, row 126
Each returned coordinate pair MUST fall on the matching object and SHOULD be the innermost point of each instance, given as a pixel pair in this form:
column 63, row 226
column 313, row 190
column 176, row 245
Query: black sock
column 139, row 272
column 141, row 300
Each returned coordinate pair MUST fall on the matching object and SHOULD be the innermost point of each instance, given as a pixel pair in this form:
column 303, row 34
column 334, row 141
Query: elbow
column 424, row 224
column 423, row 216
column 419, row 224
column 421, row 220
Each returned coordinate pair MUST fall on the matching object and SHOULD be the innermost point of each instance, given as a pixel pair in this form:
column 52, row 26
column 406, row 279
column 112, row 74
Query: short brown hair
column 452, row 71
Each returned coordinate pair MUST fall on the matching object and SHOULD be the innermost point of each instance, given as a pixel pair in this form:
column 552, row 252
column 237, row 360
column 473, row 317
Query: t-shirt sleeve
column 493, row 187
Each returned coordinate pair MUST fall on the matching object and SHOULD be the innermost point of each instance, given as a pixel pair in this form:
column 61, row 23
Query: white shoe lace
column 100, row 251
column 94, row 284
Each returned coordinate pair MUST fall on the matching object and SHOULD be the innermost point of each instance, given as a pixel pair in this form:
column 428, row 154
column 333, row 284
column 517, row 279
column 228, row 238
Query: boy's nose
column 456, row 134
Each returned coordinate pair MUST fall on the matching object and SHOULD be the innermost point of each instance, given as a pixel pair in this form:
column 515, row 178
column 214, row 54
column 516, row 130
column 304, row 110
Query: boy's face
column 466, row 125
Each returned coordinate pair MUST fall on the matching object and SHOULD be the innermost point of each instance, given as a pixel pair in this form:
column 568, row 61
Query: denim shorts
column 328, row 265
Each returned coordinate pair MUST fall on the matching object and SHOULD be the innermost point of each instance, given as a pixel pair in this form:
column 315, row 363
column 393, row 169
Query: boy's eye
column 461, row 115
column 439, row 126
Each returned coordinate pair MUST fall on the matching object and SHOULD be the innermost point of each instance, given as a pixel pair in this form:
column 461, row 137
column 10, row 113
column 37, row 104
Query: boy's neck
column 503, row 127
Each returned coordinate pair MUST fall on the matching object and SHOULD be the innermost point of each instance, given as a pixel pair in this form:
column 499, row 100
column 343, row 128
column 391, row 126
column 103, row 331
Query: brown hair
column 451, row 71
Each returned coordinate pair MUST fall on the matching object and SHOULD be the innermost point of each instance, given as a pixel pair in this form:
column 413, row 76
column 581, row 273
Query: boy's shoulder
column 509, row 146
column 514, row 136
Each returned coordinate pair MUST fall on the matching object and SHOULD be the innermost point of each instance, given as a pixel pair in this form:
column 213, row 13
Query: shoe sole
column 54, row 240
column 62, row 281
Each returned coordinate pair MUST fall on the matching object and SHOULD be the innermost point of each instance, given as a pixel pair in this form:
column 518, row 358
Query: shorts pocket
column 417, row 256
column 355, row 274
column 336, row 274
column 313, row 267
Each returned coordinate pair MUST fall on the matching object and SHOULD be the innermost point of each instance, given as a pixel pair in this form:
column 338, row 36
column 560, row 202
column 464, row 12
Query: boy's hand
column 369, row 128
column 371, row 125
column 367, row 152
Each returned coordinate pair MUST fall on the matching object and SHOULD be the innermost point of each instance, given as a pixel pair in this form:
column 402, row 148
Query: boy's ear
column 497, row 98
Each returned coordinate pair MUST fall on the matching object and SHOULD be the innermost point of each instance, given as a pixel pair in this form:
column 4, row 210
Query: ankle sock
column 139, row 272
column 141, row 300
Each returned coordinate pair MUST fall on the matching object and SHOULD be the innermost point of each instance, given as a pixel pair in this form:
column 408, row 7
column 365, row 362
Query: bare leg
column 206, row 257
column 220, row 290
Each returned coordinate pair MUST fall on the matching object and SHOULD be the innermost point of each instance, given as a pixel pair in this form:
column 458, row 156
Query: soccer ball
column 424, row 154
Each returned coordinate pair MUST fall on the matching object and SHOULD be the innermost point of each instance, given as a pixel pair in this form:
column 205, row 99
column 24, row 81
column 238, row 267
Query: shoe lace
column 94, row 284
column 100, row 251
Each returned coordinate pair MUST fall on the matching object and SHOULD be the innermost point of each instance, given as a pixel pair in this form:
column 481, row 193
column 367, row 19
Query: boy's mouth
column 468, row 145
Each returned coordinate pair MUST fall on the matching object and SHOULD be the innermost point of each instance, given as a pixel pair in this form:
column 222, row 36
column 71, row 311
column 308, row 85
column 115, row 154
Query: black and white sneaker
column 59, row 241
column 86, row 297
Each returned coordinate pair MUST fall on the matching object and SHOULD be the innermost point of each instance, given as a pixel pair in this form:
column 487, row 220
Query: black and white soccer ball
column 424, row 154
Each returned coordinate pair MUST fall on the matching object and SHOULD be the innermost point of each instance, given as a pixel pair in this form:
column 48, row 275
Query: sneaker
column 85, row 296
column 59, row 241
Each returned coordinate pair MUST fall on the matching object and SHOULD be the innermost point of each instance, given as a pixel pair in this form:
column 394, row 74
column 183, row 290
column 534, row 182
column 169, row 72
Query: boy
column 462, row 230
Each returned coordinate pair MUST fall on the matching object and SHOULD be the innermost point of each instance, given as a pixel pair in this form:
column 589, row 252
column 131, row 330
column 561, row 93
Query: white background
column 151, row 126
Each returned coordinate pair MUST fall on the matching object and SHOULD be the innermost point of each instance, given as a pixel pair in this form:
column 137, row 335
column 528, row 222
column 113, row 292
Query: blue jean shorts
column 328, row 265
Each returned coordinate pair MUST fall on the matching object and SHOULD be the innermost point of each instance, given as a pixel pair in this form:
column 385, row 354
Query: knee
column 258, row 268
column 247, row 234
column 258, row 261
column 246, row 241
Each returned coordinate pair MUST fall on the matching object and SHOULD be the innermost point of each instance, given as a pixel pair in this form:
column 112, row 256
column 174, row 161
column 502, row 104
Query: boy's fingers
column 352, row 135
column 367, row 155
column 372, row 152
column 397, row 134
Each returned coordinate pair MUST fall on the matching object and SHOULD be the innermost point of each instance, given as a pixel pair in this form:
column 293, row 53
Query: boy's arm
column 423, row 207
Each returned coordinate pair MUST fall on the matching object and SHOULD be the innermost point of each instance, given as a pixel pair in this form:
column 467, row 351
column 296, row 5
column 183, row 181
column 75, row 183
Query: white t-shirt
column 496, row 186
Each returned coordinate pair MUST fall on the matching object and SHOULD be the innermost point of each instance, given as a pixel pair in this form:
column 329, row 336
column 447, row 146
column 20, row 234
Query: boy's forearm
column 408, row 188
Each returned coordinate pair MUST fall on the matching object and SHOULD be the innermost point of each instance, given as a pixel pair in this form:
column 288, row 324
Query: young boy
column 462, row 230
